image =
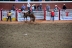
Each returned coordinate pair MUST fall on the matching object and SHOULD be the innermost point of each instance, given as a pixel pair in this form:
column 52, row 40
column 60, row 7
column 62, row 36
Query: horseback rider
column 30, row 11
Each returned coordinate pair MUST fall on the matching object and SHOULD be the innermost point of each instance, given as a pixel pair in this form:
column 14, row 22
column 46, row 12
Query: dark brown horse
column 32, row 17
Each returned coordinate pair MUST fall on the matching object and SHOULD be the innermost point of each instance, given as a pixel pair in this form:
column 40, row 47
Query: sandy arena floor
column 41, row 34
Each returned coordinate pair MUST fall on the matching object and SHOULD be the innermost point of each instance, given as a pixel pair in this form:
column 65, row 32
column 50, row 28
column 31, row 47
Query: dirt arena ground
column 41, row 34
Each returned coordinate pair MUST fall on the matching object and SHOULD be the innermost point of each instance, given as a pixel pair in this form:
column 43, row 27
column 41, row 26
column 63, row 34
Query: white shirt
column 32, row 7
column 28, row 5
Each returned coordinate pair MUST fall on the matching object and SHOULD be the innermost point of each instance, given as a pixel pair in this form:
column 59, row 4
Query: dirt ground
column 41, row 34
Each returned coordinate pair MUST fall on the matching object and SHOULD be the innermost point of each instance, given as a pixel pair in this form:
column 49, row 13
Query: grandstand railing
column 66, row 14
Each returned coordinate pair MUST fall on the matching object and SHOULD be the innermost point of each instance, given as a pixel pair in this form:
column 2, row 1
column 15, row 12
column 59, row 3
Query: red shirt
column 52, row 13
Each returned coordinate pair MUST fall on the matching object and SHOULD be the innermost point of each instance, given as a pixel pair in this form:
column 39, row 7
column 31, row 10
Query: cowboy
column 30, row 11
column 28, row 5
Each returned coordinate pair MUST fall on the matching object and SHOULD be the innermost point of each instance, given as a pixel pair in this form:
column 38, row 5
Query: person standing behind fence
column 40, row 7
column 52, row 15
column 9, row 15
column 34, row 7
column 56, row 8
column 13, row 8
column 23, row 7
column 64, row 7
column 47, row 7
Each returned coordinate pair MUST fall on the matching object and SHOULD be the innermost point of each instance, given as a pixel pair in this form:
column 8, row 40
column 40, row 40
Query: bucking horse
column 27, row 14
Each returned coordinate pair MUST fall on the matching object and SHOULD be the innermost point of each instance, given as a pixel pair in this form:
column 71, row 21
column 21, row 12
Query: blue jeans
column 52, row 18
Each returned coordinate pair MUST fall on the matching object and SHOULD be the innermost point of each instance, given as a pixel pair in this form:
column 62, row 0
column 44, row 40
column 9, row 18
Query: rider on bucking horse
column 30, row 11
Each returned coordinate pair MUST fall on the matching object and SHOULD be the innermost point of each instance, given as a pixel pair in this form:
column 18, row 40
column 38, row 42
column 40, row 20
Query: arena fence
column 48, row 15
column 44, row 15
column 66, row 15
column 38, row 15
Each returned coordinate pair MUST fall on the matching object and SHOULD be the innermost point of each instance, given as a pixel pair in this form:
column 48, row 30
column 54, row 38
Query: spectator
column 64, row 7
column 56, row 8
column 39, row 7
column 47, row 7
column 28, row 5
column 34, row 7
column 9, row 15
column 23, row 7
column 13, row 8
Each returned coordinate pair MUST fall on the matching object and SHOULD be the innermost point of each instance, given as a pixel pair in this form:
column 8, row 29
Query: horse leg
column 26, row 19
